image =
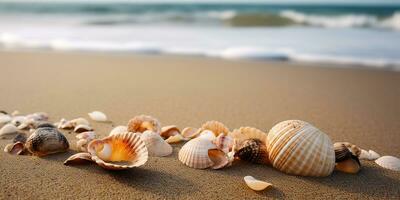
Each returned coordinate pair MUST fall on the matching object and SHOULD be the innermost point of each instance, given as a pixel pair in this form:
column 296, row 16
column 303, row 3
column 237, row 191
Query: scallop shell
column 98, row 116
column 190, row 132
column 118, row 130
column 16, row 148
column 155, row 144
column 216, row 127
column 245, row 133
column 195, row 153
column 389, row 162
column 168, row 131
column 298, row 148
column 118, row 152
column 224, row 142
column 253, row 150
column 142, row 123
column 255, row 184
column 82, row 128
column 8, row 130
column 46, row 141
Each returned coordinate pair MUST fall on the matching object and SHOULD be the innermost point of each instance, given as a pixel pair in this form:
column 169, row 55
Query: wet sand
column 359, row 106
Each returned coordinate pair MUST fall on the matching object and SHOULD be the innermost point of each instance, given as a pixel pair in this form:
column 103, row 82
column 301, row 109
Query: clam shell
column 355, row 150
column 218, row 158
column 341, row 152
column 142, row 123
column 118, row 130
column 245, row 133
column 168, row 131
column 16, row 148
column 195, row 153
column 216, row 127
column 351, row 165
column 46, row 141
column 253, row 150
column 175, row 139
column 389, row 162
column 8, row 130
column 190, row 132
column 298, row 148
column 118, row 152
column 88, row 135
column 82, row 128
column 255, row 184
column 224, row 142
column 98, row 116
column 156, row 146
column 78, row 158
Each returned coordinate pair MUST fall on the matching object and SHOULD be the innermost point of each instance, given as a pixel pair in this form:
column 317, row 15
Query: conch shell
column 155, row 144
column 298, row 148
column 142, row 123
column 46, row 141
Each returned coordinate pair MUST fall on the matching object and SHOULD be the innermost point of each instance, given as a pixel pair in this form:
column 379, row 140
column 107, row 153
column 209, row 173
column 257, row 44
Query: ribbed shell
column 245, row 133
column 296, row 147
column 126, row 148
column 118, row 130
column 45, row 141
column 142, row 123
column 195, row 153
column 155, row 144
column 254, row 151
column 216, row 127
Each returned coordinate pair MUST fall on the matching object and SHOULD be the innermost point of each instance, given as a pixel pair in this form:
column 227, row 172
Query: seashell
column 45, row 124
column 46, row 141
column 218, row 158
column 27, row 124
column 142, row 123
column 98, row 116
column 298, row 148
column 21, row 137
column 341, row 152
column 118, row 130
column 81, row 145
column 118, row 152
column 190, row 132
column 224, row 142
column 82, row 128
column 255, row 184
column 245, row 133
column 156, row 146
column 373, row 155
column 4, row 118
column 253, row 150
column 78, row 158
column 389, row 162
column 39, row 116
column 64, row 124
column 16, row 148
column 175, row 139
column 207, row 134
column 88, row 135
column 8, row 130
column 364, row 155
column 195, row 153
column 351, row 165
column 18, row 120
column 216, row 127
column 168, row 131
column 355, row 150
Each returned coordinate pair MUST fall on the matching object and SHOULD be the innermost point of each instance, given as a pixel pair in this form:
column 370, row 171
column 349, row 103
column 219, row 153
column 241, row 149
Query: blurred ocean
column 344, row 34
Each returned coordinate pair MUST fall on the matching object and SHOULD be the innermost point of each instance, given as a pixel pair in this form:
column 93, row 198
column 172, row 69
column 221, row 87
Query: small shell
column 224, row 142
column 175, row 139
column 78, row 158
column 21, row 137
column 373, row 155
column 389, row 162
column 355, row 150
column 341, row 152
column 254, row 151
column 45, row 124
column 118, row 130
column 156, row 146
column 89, row 135
column 64, row 124
column 168, row 131
column 190, row 132
column 142, row 123
column 18, row 120
column 245, row 133
column 8, row 130
column 351, row 166
column 255, row 184
column 218, row 158
column 15, row 148
column 81, row 145
column 216, row 127
column 39, row 116
column 82, row 128
column 98, row 116
column 195, row 153
column 118, row 152
column 46, row 141
column 4, row 119
column 207, row 134
column 15, row 113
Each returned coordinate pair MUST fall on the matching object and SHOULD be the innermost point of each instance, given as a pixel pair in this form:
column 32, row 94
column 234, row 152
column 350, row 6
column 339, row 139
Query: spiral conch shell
column 142, row 123
column 298, row 148
column 155, row 144
column 116, row 152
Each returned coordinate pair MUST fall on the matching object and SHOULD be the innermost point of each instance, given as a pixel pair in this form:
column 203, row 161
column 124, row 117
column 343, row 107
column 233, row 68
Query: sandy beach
column 361, row 106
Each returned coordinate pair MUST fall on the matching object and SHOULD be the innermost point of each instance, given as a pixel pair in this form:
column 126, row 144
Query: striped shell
column 216, row 127
column 253, row 150
column 195, row 153
column 142, row 123
column 296, row 147
column 245, row 133
column 224, row 142
column 118, row 152
column 46, row 141
column 156, row 146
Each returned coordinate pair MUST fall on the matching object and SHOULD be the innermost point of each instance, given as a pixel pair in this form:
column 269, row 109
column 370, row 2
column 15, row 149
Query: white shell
column 4, row 119
column 207, row 134
column 8, row 130
column 118, row 130
column 368, row 155
column 255, row 184
column 17, row 120
column 156, row 146
column 82, row 128
column 98, row 116
column 389, row 162
column 195, row 153
column 175, row 139
column 298, row 148
column 373, row 155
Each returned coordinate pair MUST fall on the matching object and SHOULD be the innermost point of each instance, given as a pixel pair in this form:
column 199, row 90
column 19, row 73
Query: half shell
column 216, row 127
column 15, row 148
column 168, row 131
column 142, row 123
column 195, row 153
column 155, row 144
column 297, row 147
column 255, row 184
column 98, row 116
column 46, row 141
column 190, row 132
column 389, row 162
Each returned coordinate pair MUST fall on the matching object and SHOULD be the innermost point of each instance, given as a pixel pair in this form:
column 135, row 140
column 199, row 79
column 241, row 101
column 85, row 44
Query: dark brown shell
column 46, row 141
column 21, row 137
column 343, row 153
column 254, row 151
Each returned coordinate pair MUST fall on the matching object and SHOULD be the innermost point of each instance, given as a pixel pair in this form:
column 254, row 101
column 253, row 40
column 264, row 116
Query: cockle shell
column 8, row 130
column 255, row 184
column 142, row 123
column 168, row 131
column 98, row 116
column 16, row 148
column 156, row 146
column 224, row 142
column 298, row 148
column 82, row 128
column 389, row 162
column 118, row 130
column 195, row 153
column 118, row 152
column 253, row 150
column 216, row 127
column 46, row 141
column 190, row 132
column 243, row 134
